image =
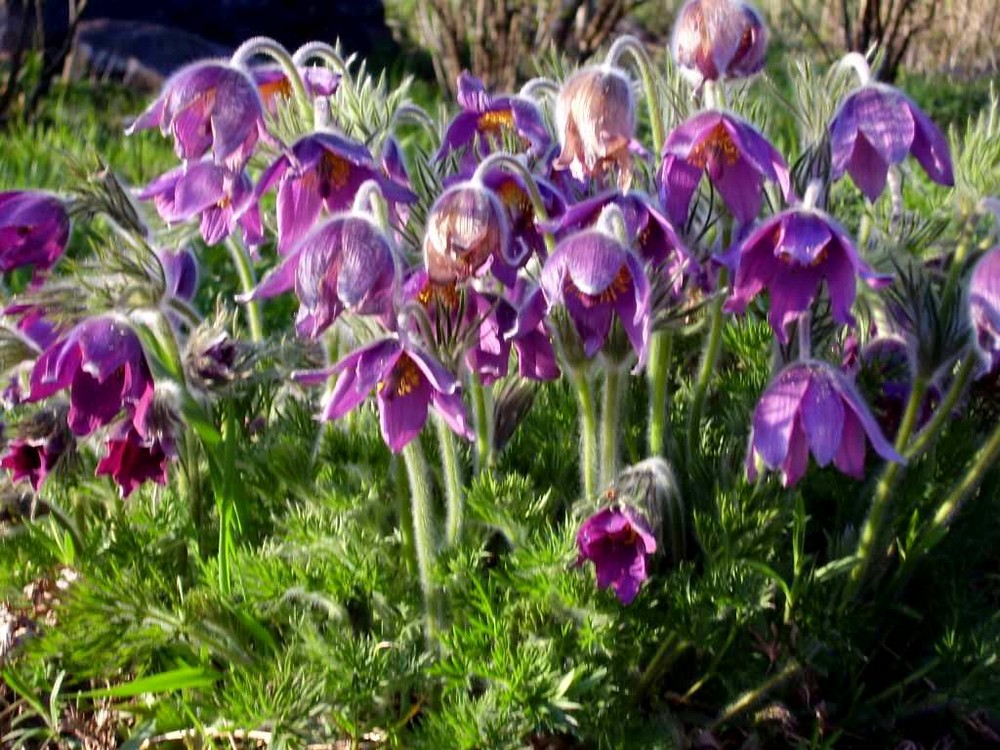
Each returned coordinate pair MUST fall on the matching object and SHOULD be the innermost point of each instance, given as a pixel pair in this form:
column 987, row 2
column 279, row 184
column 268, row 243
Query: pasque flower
column 984, row 308
column 875, row 128
column 222, row 200
column 34, row 230
column 810, row 407
column 324, row 170
column 208, row 106
column 41, row 442
column 595, row 121
column 736, row 158
column 132, row 459
column 714, row 39
column 619, row 541
column 180, row 273
column 406, row 380
column 272, row 83
column 536, row 357
column 789, row 255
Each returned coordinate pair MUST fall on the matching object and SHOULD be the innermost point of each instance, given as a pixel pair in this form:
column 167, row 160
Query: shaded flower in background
column 789, row 255
column 34, row 230
column 619, row 541
column 41, row 442
column 984, row 308
column 734, row 155
column 223, row 201
column 886, row 376
column 208, row 106
column 132, row 459
column 180, row 273
column 810, row 407
column 272, row 83
column 714, row 39
column 876, row 127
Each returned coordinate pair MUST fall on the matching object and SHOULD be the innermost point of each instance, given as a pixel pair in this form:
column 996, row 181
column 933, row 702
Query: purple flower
column 345, row 264
column 492, row 317
column 715, row 39
column 272, row 83
column 811, row 407
column 34, row 230
column 132, row 459
column 789, row 255
column 102, row 363
column 491, row 119
column 984, row 308
column 323, row 171
column 876, row 127
column 222, row 200
column 42, row 442
column 180, row 273
column 736, row 158
column 208, row 106
column 406, row 381
column 594, row 276
column 618, row 540
column 536, row 358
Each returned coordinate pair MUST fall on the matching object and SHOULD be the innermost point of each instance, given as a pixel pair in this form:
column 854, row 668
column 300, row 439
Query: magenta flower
column 734, row 155
column 619, row 541
column 345, row 264
column 102, row 363
column 984, row 308
column 716, row 39
column 272, row 83
column 208, row 106
column 876, row 127
column 34, row 230
column 222, row 200
column 812, row 408
column 406, row 381
column 43, row 441
column 536, row 358
column 491, row 119
column 323, row 172
column 132, row 459
column 789, row 255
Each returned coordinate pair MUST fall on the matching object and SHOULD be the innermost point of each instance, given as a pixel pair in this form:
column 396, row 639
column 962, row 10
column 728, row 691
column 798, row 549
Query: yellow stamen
column 496, row 122
column 334, row 169
column 403, row 379
column 717, row 147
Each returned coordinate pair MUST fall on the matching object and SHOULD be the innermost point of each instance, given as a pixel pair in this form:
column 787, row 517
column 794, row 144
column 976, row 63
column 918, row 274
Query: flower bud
column 715, row 39
column 984, row 308
column 466, row 228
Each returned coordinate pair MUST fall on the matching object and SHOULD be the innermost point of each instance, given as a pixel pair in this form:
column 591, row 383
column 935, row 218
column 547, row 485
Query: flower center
column 404, row 378
column 716, row 149
column 517, row 202
column 333, row 171
column 444, row 294
column 496, row 122
column 789, row 260
column 618, row 286
column 277, row 87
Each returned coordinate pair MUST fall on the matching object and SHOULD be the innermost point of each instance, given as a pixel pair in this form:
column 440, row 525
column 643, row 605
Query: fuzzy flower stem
column 708, row 359
column 241, row 259
column 424, row 538
column 484, row 425
column 943, row 412
column 714, row 95
column 369, row 199
column 588, row 429
column 510, row 163
column 539, row 84
column 645, row 66
column 411, row 113
column 610, row 418
column 262, row 45
column 657, row 373
column 326, row 53
column 454, row 496
column 805, row 335
column 857, row 62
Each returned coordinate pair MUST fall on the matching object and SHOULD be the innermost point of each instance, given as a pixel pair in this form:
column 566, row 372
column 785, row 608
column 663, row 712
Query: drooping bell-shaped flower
column 273, row 85
column 810, row 407
column 716, row 39
column 984, row 308
column 488, row 121
column 34, row 230
column 132, row 459
column 345, row 264
column 223, row 201
column 734, row 155
column 406, row 380
column 324, row 171
column 876, row 127
column 619, row 541
column 41, row 442
column 536, row 357
column 595, row 122
column 789, row 255
column 102, row 363
column 208, row 106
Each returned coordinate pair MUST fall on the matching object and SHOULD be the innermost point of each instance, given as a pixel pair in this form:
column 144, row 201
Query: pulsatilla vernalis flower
column 789, row 255
column 619, row 541
column 812, row 408
column 132, row 459
column 467, row 229
column 595, row 120
column 180, row 273
column 41, row 442
column 875, row 128
column 272, row 83
column 222, row 200
column 406, row 381
column 736, row 158
column 714, row 39
column 323, row 171
column 102, row 363
column 34, row 230
column 345, row 264
column 492, row 119
column 984, row 308
column 208, row 106
column 536, row 357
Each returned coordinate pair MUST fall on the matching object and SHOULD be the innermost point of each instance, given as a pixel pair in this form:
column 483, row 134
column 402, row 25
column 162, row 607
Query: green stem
column 241, row 260
column 944, row 410
column 657, row 373
column 195, row 498
column 484, row 425
column 645, row 66
column 709, row 357
column 610, row 413
column 955, row 271
column 669, row 651
column 261, row 45
column 454, row 496
column 424, row 538
column 588, row 430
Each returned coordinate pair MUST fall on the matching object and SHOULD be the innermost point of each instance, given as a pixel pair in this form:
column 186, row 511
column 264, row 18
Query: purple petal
column 868, row 169
column 678, row 182
column 299, row 205
column 403, row 414
column 850, row 458
column 822, row 418
column 793, row 468
column 792, row 292
column 739, row 184
column 776, row 414
column 856, row 404
column 930, row 147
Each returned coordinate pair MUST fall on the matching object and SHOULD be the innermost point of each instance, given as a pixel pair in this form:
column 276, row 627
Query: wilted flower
column 132, row 459
column 222, row 200
column 789, row 255
column 41, row 442
column 714, row 39
column 272, row 83
column 208, row 106
column 984, row 308
column 876, row 127
column 491, row 119
column 34, row 230
column 406, row 381
column 323, row 171
column 811, row 407
column 595, row 120
column 736, row 157
column 102, row 363
column 618, row 540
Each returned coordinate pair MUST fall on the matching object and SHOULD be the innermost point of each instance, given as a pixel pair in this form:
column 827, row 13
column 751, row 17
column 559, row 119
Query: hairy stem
column 645, row 67
column 588, row 430
column 943, row 412
column 484, row 425
column 657, row 374
column 424, row 537
column 610, row 422
column 453, row 488
column 241, row 260
column 709, row 356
